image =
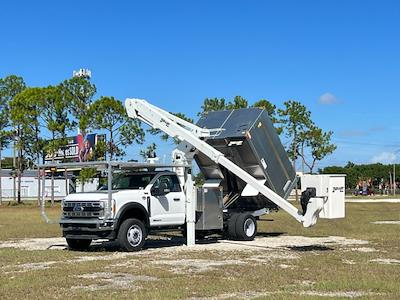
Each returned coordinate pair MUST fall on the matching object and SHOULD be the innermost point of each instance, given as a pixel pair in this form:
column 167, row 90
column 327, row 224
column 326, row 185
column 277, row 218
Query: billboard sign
column 77, row 148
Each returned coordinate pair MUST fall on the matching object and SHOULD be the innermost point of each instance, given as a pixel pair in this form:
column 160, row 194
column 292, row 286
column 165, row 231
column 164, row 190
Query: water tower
column 84, row 73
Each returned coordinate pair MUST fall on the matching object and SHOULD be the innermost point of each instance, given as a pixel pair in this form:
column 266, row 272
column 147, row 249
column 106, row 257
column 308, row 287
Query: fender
column 132, row 206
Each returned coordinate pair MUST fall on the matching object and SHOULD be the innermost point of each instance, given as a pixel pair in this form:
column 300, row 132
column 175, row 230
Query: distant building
column 29, row 185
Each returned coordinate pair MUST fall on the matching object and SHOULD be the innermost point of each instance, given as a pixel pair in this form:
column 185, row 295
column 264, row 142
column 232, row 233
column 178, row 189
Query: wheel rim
column 249, row 227
column 134, row 235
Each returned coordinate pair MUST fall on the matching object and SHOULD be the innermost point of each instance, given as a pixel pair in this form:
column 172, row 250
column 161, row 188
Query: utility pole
column 394, row 179
column 1, row 177
column 14, row 169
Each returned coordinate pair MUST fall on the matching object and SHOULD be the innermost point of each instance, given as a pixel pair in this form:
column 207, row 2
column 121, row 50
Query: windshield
column 131, row 181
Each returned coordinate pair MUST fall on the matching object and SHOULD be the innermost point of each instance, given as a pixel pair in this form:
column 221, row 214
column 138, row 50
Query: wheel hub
column 249, row 227
column 134, row 235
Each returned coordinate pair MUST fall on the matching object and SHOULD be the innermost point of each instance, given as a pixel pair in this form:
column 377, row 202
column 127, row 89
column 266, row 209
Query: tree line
column 27, row 114
column 376, row 173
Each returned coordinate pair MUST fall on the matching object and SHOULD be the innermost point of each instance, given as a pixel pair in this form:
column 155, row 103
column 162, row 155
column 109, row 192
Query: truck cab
column 141, row 201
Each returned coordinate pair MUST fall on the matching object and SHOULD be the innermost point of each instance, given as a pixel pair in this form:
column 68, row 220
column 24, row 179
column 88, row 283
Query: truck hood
column 98, row 195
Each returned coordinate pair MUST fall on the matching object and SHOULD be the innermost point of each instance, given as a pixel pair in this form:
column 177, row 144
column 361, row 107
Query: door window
column 170, row 182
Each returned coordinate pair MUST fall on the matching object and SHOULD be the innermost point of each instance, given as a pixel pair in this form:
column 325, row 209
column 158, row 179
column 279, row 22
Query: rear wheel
column 78, row 244
column 246, row 227
column 132, row 235
column 232, row 226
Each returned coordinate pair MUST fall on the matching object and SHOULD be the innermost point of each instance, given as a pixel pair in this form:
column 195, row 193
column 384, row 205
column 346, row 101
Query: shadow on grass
column 310, row 248
column 113, row 246
column 270, row 234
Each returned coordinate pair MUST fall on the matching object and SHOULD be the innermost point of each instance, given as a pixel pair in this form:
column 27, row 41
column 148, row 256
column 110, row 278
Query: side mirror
column 154, row 191
column 161, row 190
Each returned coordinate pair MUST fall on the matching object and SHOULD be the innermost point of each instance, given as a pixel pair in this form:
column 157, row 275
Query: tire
column 78, row 244
column 232, row 227
column 246, row 227
column 131, row 235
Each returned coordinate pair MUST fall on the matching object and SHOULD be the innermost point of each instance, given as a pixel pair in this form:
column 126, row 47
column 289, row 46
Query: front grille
column 84, row 209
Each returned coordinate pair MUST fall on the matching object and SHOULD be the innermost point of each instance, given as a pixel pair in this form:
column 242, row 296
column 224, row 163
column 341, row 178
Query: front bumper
column 92, row 228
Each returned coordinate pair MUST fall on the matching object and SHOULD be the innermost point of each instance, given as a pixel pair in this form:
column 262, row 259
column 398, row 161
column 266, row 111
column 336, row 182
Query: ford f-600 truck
column 141, row 200
column 247, row 174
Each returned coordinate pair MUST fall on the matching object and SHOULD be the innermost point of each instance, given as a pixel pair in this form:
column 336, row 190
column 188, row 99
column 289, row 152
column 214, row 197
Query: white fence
column 29, row 187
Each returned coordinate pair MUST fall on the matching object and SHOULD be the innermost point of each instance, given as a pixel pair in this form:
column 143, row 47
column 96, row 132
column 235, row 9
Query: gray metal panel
column 234, row 122
column 209, row 209
column 211, row 121
column 257, row 145
column 267, row 146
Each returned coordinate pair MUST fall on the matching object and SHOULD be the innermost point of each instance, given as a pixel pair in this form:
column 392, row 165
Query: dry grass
column 24, row 221
column 322, row 268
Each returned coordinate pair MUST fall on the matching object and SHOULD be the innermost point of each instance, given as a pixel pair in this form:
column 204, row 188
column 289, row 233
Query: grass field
column 349, row 258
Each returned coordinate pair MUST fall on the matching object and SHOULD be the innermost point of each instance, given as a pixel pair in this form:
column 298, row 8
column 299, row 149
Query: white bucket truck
column 247, row 174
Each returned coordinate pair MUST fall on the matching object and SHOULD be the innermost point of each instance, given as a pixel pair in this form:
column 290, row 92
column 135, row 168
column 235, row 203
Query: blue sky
column 339, row 58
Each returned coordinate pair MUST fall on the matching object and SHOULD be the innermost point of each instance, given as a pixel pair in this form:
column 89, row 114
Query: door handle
column 177, row 199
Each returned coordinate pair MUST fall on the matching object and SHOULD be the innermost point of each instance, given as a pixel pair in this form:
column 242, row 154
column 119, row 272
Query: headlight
column 104, row 203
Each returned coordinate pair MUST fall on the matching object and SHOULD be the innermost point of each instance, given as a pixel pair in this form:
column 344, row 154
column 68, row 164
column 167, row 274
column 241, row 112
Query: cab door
column 167, row 201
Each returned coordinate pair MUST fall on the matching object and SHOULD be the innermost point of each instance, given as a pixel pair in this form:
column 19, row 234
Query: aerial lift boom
column 193, row 138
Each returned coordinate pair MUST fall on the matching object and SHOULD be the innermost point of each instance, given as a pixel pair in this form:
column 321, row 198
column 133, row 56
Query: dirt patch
column 282, row 242
column 260, row 243
column 285, row 266
column 348, row 262
column 240, row 295
column 184, row 266
column 113, row 256
column 35, row 244
column 29, row 267
column 48, row 264
column 386, row 222
column 386, row 261
column 255, row 294
column 270, row 243
column 349, row 294
column 113, row 281
column 268, row 257
column 364, row 249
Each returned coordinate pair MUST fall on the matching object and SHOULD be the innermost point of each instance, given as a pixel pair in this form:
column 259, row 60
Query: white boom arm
column 192, row 134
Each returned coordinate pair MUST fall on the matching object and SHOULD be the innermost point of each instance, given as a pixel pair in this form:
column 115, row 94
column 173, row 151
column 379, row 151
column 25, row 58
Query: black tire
column 132, row 235
column 78, row 244
column 246, row 227
column 232, row 227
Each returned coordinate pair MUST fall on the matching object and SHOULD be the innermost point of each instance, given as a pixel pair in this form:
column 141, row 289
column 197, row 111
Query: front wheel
column 132, row 235
column 78, row 244
column 246, row 227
